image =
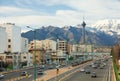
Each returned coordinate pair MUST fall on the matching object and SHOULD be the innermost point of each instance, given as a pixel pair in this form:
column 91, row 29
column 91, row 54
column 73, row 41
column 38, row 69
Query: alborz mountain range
column 102, row 33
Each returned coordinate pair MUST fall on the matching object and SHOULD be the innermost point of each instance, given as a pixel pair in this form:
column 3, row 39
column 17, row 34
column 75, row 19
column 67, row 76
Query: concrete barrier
column 17, row 78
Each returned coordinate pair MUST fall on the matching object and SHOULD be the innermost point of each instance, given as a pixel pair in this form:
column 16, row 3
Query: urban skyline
column 63, row 43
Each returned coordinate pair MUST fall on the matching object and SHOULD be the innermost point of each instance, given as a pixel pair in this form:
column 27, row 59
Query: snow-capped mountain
column 104, row 32
column 109, row 26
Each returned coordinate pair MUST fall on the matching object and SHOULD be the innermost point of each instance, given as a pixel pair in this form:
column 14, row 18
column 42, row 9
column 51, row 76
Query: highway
column 102, row 74
column 12, row 75
column 30, row 71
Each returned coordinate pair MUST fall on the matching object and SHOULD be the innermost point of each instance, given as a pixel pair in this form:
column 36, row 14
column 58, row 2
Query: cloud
column 6, row 10
column 28, row 12
column 15, row 11
column 34, row 20
column 103, row 8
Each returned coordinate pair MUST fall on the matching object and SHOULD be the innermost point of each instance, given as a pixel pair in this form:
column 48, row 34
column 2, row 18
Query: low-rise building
column 62, row 45
column 41, row 48
column 26, row 59
column 13, row 59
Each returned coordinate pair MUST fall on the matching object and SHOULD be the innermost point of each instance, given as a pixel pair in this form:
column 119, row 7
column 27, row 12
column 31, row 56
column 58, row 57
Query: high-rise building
column 14, row 37
column 3, row 40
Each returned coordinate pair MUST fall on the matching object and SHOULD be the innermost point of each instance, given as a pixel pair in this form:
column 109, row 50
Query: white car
column 1, row 76
column 82, row 69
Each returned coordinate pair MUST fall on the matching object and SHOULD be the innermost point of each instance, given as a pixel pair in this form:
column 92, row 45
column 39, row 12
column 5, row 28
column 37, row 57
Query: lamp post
column 34, row 51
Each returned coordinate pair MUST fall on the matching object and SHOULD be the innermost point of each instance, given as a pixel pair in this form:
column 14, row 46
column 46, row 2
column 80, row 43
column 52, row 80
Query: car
column 63, row 64
column 24, row 73
column 1, row 76
column 42, row 66
column 40, row 72
column 101, row 66
column 82, row 69
column 94, row 66
column 58, row 66
column 93, row 74
column 50, row 67
column 2, row 69
column 87, row 71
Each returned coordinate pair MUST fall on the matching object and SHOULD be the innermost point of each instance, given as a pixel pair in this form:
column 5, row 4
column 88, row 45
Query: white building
column 24, row 45
column 14, row 37
column 3, row 40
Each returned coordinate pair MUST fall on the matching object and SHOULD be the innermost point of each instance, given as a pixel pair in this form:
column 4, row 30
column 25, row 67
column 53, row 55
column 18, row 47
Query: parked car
column 1, row 76
column 40, row 72
column 93, row 74
column 24, row 73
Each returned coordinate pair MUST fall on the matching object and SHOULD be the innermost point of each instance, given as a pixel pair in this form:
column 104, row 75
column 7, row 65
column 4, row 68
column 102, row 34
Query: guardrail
column 17, row 78
column 5, row 72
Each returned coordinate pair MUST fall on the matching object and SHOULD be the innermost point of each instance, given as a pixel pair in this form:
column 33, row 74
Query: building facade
column 42, row 48
column 62, row 45
column 14, row 37
column 27, row 59
column 3, row 40
column 24, row 45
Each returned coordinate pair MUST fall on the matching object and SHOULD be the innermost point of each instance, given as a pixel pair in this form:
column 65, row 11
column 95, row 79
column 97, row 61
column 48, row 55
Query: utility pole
column 34, row 30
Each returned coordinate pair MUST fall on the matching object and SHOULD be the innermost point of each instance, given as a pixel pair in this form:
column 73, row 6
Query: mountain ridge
column 105, row 32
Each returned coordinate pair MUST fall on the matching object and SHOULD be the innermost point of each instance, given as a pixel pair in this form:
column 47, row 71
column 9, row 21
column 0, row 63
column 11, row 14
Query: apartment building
column 13, row 42
column 3, row 40
column 26, row 58
column 42, row 48
column 14, row 37
column 13, row 59
column 62, row 45
column 24, row 45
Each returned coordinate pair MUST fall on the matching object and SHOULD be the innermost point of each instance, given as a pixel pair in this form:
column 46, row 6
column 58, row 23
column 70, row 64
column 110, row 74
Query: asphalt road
column 30, row 71
column 102, row 74
column 12, row 75
column 78, row 76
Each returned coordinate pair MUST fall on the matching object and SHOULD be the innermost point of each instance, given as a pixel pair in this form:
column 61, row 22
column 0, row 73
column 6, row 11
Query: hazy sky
column 38, row 13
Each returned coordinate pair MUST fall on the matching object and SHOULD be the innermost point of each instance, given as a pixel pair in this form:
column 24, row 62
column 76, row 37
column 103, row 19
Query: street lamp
column 34, row 30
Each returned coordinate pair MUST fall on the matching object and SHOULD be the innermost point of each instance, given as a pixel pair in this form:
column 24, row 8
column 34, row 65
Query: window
column 9, row 46
column 9, row 40
column 24, row 57
column 10, row 57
